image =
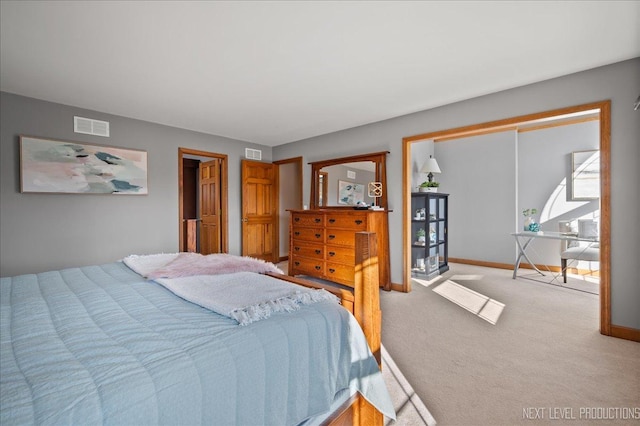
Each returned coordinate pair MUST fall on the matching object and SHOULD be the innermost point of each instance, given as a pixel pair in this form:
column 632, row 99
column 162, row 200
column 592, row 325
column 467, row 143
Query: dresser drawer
column 340, row 273
column 308, row 234
column 341, row 237
column 306, row 266
column 307, row 220
column 355, row 222
column 315, row 251
column 344, row 255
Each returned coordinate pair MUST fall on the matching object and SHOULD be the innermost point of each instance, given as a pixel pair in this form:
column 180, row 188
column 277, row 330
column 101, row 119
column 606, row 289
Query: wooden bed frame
column 363, row 301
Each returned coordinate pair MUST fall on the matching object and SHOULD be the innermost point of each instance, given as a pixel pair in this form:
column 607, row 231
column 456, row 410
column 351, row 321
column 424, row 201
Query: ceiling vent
column 253, row 154
column 91, row 127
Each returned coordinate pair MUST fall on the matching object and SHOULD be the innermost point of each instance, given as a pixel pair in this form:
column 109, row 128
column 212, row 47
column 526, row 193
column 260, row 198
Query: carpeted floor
column 542, row 362
column 410, row 410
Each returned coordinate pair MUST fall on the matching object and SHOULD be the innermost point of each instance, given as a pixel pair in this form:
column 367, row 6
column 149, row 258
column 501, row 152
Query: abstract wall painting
column 350, row 193
column 55, row 166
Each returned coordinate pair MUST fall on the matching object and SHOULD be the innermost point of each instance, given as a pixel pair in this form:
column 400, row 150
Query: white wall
column 619, row 83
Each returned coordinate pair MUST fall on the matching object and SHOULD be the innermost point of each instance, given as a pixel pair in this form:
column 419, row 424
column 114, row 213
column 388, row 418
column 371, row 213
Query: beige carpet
column 410, row 411
column 542, row 362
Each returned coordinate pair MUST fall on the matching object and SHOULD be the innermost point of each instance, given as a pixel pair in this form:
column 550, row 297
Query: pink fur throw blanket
column 190, row 264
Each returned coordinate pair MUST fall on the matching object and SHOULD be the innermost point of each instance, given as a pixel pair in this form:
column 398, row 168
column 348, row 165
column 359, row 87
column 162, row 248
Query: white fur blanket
column 178, row 265
column 243, row 296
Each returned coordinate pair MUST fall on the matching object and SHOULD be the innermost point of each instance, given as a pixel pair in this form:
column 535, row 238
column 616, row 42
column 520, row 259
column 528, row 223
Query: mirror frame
column 379, row 158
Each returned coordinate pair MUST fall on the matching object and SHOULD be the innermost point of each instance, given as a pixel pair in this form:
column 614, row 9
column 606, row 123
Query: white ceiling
column 277, row 72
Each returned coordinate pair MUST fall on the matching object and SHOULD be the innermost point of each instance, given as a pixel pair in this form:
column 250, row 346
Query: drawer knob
column 297, row 233
column 318, row 251
column 332, row 253
column 331, row 237
column 318, row 267
column 332, row 221
column 318, row 235
column 332, row 270
column 297, row 219
column 297, row 263
column 358, row 222
column 317, row 220
column 296, row 248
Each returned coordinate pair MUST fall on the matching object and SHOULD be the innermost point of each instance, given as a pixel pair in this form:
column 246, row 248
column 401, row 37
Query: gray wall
column 420, row 152
column 492, row 178
column 619, row 83
column 479, row 176
column 289, row 199
column 51, row 231
column 544, row 173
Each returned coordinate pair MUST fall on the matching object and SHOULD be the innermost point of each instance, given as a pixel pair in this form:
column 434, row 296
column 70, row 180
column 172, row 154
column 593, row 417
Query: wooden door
column 210, row 207
column 260, row 210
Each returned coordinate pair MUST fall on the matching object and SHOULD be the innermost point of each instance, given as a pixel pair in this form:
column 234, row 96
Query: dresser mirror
column 342, row 182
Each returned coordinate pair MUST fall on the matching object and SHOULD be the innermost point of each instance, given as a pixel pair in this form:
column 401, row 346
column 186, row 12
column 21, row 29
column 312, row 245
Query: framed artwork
column 350, row 193
column 585, row 175
column 48, row 165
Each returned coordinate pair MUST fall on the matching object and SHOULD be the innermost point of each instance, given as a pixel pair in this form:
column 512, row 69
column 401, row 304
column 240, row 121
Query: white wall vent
column 91, row 127
column 252, row 154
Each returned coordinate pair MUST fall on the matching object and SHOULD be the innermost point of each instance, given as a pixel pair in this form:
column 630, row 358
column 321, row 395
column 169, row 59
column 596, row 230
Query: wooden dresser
column 322, row 243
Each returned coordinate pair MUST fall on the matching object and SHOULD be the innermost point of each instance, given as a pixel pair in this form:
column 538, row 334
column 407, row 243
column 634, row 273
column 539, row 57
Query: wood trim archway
column 224, row 187
column 604, row 108
column 298, row 162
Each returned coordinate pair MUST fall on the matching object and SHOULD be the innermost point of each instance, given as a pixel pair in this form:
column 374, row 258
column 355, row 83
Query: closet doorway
column 202, row 195
column 603, row 109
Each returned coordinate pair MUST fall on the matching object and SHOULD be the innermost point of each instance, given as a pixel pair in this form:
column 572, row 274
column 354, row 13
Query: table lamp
column 430, row 167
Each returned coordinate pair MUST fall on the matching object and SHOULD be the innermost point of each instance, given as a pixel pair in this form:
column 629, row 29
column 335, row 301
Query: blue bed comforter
column 101, row 345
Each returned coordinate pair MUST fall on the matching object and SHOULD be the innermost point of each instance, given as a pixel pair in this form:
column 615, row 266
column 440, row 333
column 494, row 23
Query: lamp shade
column 430, row 166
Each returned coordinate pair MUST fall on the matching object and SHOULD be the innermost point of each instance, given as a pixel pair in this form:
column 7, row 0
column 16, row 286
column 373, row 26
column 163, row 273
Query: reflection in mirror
column 346, row 183
column 342, row 182
column 323, row 178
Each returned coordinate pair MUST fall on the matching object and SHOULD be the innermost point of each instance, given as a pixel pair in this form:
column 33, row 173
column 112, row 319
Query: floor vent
column 253, row 154
column 91, row 127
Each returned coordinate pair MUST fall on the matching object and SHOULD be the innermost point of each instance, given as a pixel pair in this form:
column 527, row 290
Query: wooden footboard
column 364, row 303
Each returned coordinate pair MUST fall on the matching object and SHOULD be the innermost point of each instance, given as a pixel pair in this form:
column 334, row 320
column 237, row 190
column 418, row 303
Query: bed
column 107, row 345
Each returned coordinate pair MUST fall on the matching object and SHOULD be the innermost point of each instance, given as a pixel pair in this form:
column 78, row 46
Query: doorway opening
column 202, row 201
column 514, row 124
column 290, row 194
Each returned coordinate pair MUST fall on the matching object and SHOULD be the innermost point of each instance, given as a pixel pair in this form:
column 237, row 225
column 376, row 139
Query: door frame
column 500, row 125
column 224, row 189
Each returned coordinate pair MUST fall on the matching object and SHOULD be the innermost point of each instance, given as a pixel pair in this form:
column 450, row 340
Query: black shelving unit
column 429, row 212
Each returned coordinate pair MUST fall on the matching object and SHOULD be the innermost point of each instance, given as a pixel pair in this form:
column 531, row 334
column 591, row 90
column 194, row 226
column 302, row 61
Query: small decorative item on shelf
column 432, row 236
column 421, row 235
column 429, row 186
column 433, row 263
column 432, row 216
column 529, row 222
column 420, row 264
